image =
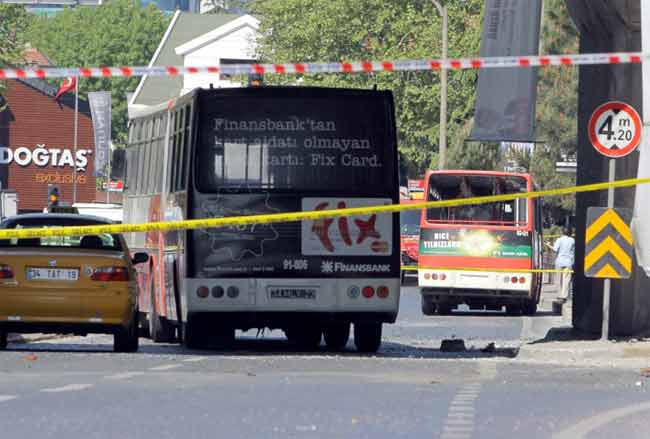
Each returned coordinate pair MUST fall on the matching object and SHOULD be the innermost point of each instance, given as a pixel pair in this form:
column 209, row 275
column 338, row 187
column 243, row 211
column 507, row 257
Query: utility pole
column 442, row 147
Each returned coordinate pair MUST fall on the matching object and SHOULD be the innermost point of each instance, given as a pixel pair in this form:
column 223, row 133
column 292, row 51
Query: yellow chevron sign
column 609, row 245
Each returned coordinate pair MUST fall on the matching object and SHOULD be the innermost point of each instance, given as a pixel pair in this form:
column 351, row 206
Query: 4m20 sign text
column 615, row 129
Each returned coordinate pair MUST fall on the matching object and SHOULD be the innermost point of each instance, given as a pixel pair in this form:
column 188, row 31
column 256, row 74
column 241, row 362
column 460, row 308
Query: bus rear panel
column 270, row 150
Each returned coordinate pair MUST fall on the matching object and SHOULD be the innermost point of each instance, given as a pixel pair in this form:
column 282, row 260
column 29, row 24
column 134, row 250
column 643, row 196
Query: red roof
column 32, row 56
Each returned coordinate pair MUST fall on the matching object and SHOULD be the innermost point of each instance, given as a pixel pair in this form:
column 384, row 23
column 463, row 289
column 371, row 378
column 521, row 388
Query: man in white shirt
column 564, row 249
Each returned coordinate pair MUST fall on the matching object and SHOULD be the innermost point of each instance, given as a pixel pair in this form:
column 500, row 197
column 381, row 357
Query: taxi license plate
column 308, row 293
column 65, row 274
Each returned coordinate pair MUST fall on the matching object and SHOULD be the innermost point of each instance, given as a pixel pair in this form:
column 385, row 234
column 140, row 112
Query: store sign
column 43, row 157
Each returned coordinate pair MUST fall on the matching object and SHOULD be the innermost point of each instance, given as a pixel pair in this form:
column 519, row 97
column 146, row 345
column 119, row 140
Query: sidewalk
column 561, row 344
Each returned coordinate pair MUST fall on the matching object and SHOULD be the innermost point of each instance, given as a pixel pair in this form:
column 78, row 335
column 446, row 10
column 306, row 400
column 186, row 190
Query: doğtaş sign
column 42, row 156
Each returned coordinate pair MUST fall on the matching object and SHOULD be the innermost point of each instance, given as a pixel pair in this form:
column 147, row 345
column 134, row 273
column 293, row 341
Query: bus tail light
column 382, row 292
column 368, row 292
column 443, row 276
column 110, row 274
column 506, row 279
column 232, row 292
column 202, row 292
column 522, row 280
column 427, row 276
column 434, row 276
column 514, row 279
column 353, row 292
column 6, row 272
column 217, row 292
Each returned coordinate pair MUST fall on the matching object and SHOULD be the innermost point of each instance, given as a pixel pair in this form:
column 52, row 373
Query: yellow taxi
column 80, row 285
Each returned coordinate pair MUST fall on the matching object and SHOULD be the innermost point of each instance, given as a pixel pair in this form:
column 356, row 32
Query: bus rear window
column 296, row 144
column 504, row 213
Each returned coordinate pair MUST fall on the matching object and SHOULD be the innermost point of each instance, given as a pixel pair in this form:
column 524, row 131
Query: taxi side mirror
column 140, row 258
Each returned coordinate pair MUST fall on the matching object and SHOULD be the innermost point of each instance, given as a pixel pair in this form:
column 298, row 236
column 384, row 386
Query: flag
column 67, row 85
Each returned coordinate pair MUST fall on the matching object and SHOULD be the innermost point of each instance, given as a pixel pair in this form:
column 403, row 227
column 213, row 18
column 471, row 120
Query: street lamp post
column 442, row 148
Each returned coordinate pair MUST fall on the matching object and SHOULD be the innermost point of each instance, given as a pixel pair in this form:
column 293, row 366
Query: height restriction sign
column 615, row 129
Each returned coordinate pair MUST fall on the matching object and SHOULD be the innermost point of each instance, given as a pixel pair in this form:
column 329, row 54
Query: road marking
column 4, row 398
column 123, row 376
column 586, row 426
column 195, row 359
column 459, row 423
column 165, row 367
column 68, row 388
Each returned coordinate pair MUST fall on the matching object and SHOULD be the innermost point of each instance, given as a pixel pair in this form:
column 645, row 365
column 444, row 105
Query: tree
column 119, row 32
column 557, row 109
column 13, row 22
column 381, row 30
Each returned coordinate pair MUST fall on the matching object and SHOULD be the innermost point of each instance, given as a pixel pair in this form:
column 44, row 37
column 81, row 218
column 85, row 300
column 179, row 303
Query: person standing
column 564, row 249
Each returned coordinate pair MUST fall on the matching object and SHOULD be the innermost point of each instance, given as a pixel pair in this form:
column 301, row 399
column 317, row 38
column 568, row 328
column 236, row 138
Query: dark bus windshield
column 288, row 142
column 447, row 186
column 409, row 222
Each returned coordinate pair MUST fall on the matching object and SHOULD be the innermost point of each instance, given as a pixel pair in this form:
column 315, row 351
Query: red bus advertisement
column 480, row 255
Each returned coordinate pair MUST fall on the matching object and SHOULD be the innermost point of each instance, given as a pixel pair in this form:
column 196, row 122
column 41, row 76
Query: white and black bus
column 228, row 152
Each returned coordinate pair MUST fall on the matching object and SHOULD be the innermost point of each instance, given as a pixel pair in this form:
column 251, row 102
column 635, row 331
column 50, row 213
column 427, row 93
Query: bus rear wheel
column 367, row 336
column 530, row 308
column 193, row 336
column 304, row 337
column 336, row 336
column 513, row 310
column 4, row 340
column 428, row 306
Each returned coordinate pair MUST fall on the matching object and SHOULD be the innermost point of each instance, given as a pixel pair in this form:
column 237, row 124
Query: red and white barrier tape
column 334, row 67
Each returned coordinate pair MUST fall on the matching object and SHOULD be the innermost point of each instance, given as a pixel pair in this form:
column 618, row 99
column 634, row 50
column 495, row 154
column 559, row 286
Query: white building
column 196, row 40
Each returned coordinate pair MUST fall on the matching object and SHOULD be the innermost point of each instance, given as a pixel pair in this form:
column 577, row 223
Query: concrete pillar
column 607, row 26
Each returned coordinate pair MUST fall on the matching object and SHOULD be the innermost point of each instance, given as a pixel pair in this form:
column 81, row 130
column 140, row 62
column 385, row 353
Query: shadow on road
column 273, row 347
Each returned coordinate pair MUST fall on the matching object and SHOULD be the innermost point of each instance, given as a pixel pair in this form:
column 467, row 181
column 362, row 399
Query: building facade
column 37, row 145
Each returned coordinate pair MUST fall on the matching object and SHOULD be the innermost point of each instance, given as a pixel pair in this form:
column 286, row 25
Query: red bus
column 410, row 228
column 246, row 151
column 480, row 255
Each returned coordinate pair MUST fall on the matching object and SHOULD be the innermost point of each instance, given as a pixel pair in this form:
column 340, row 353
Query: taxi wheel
column 336, row 336
column 160, row 330
column 367, row 336
column 3, row 340
column 127, row 340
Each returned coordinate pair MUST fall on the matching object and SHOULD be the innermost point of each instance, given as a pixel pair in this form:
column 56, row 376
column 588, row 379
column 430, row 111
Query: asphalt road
column 76, row 388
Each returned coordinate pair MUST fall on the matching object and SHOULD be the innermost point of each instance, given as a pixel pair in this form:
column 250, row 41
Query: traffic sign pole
column 607, row 286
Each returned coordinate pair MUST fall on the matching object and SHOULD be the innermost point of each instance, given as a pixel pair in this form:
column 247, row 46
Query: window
column 448, row 187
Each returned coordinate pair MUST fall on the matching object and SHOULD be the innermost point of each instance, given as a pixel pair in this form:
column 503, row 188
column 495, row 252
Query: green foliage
column 557, row 108
column 119, row 32
column 302, row 30
column 13, row 21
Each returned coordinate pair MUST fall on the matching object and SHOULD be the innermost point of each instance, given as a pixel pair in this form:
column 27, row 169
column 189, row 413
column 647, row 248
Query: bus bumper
column 324, row 298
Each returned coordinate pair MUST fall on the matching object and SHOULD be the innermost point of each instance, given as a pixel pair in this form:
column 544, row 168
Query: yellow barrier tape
column 205, row 223
column 486, row 270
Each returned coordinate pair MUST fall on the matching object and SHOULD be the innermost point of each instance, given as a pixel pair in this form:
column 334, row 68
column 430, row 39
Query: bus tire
column 127, row 340
column 513, row 310
column 428, row 306
column 530, row 308
column 192, row 336
column 444, row 309
column 160, row 330
column 305, row 337
column 224, row 337
column 367, row 336
column 336, row 336
column 4, row 340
